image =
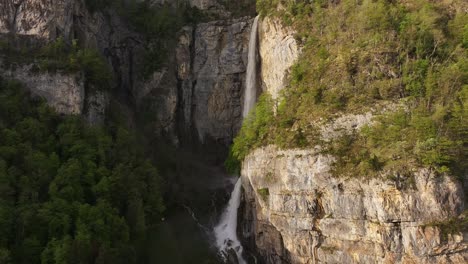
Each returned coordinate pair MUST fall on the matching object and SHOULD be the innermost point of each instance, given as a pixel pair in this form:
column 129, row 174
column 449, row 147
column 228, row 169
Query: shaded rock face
column 200, row 87
column 121, row 46
column 95, row 107
column 211, row 65
column 63, row 91
column 315, row 217
column 278, row 51
column 205, row 4
column 42, row 21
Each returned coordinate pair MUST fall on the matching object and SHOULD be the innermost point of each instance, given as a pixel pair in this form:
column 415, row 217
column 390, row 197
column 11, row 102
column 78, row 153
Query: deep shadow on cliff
column 185, row 109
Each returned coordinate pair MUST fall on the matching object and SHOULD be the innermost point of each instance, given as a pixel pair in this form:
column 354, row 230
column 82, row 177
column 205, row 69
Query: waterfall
column 226, row 230
column 251, row 78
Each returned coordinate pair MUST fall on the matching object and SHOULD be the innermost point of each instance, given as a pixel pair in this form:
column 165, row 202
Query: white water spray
column 226, row 230
column 250, row 95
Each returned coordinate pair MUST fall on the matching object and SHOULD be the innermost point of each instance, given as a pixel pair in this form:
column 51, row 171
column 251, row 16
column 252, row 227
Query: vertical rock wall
column 63, row 91
column 301, row 213
column 296, row 211
column 211, row 65
column 35, row 22
column 200, row 87
column 278, row 52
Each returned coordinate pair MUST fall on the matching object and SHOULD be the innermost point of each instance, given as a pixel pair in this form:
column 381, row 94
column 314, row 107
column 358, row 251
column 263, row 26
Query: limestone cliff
column 211, row 59
column 278, row 51
column 296, row 210
column 31, row 24
column 196, row 93
column 63, row 91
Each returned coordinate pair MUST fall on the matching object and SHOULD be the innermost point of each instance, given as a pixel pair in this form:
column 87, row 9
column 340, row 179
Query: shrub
column 264, row 193
column 451, row 226
column 253, row 133
column 359, row 54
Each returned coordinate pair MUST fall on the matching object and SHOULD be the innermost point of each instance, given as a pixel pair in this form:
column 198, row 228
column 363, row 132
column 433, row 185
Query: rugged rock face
column 211, row 63
column 200, row 88
column 63, row 91
column 301, row 213
column 95, row 107
column 278, row 51
column 45, row 19
column 296, row 211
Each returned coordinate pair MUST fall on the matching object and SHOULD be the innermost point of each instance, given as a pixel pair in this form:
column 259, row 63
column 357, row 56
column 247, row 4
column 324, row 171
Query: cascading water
column 251, row 78
column 226, row 230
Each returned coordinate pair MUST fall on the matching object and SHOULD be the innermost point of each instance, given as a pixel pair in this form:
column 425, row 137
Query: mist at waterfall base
column 197, row 193
column 226, row 230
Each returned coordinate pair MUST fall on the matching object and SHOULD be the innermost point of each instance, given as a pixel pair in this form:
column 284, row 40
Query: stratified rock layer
column 299, row 212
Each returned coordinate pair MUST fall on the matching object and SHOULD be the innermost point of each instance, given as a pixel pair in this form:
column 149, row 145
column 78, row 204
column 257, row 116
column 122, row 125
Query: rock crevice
column 322, row 218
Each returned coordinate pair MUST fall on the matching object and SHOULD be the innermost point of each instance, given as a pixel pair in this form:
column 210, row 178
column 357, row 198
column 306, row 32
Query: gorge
column 226, row 230
column 214, row 131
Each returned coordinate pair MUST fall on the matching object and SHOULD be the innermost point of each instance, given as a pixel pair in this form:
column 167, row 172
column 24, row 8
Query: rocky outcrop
column 200, row 87
column 211, row 63
column 63, row 91
column 33, row 23
column 206, row 4
column 44, row 19
column 301, row 213
column 95, row 107
column 278, row 51
column 296, row 210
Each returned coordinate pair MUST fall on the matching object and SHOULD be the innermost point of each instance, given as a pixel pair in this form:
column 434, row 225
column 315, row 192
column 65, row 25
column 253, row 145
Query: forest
column 70, row 192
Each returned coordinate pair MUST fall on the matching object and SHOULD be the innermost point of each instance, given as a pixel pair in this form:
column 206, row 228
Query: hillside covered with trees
column 70, row 192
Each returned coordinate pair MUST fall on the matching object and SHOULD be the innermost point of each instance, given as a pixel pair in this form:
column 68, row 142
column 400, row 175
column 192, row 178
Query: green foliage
column 266, row 7
column 97, row 5
column 253, row 133
column 353, row 158
column 159, row 23
column 451, row 226
column 69, row 193
column 57, row 56
column 95, row 68
column 264, row 193
column 358, row 55
column 239, row 8
column 61, row 56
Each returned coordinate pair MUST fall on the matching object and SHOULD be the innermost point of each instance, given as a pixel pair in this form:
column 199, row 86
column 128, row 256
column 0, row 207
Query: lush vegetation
column 158, row 23
column 360, row 56
column 264, row 193
column 60, row 56
column 70, row 193
column 451, row 226
column 239, row 8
